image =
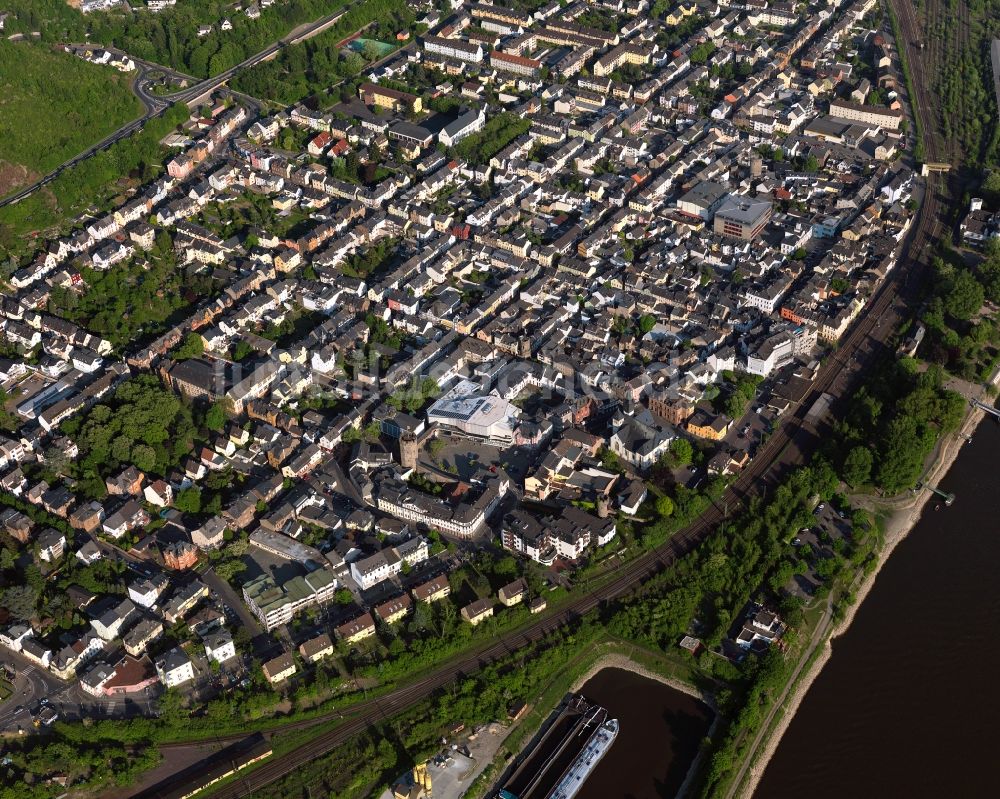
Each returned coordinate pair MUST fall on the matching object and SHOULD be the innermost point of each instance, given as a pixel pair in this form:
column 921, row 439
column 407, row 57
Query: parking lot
column 464, row 457
column 817, row 541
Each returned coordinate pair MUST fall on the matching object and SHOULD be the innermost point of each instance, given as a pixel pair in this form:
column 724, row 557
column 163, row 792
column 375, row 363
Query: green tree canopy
column 664, row 506
column 215, row 417
column 964, row 297
column 192, row 347
column 858, row 466
column 188, row 500
column 682, row 450
column 144, row 425
column 20, row 601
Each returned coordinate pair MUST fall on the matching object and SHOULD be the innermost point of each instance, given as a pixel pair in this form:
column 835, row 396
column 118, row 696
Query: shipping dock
column 559, row 763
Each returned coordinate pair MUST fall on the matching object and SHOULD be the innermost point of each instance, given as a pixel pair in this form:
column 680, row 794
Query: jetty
column 995, row 412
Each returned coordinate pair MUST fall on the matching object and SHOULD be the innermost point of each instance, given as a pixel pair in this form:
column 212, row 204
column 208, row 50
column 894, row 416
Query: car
column 821, row 506
column 797, row 542
column 19, row 709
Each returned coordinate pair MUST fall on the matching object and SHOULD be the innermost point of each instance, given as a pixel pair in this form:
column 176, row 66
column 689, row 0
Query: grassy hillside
column 53, row 105
column 93, row 183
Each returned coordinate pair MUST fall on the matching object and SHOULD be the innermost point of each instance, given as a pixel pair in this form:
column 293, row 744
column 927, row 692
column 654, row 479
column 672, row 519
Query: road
column 234, row 602
column 790, row 446
column 31, row 685
column 190, row 95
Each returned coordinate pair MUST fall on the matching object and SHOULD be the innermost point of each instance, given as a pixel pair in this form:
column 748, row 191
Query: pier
column 995, row 412
column 948, row 498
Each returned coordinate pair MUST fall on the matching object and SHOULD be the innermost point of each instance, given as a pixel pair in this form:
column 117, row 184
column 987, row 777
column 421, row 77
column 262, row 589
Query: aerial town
column 436, row 357
column 549, row 272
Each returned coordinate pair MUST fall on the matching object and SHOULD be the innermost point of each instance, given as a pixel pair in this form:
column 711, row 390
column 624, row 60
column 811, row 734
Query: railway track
column 936, row 148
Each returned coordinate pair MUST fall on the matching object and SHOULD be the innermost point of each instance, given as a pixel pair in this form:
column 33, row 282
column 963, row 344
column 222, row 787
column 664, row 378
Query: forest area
column 170, row 37
column 54, row 106
column 92, row 182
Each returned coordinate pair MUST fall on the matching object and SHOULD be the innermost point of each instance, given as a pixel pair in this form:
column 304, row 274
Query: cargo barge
column 565, row 755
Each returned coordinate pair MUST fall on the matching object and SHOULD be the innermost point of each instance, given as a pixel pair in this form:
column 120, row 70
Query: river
column 661, row 730
column 908, row 703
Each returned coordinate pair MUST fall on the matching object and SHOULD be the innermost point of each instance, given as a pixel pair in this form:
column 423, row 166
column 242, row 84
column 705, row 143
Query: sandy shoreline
column 614, row 660
column 903, row 519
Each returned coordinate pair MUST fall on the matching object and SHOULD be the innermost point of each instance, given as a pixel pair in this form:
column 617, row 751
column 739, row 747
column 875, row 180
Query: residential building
column 477, row 612
column 315, row 649
column 219, row 646
column 432, row 590
column 357, row 629
column 276, row 604
column 174, row 668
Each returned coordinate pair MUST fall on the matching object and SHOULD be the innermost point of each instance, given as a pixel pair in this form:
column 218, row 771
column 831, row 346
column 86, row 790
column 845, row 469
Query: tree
column 144, row 425
column 991, row 187
column 215, row 418
column 343, row 597
column 664, row 506
column 192, row 347
column 646, row 323
column 989, row 276
column 144, row 457
column 902, row 452
column 241, row 350
column 20, row 601
column 964, row 296
column 682, row 450
column 857, row 466
column 188, row 500
column 735, row 405
column 372, row 432
column 229, row 569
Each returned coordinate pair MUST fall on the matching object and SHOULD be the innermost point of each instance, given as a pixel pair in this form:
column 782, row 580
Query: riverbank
column 904, row 517
column 615, row 660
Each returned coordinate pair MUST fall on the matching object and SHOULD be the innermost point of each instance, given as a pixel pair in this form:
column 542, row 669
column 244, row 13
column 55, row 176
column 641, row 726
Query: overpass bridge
column 934, row 167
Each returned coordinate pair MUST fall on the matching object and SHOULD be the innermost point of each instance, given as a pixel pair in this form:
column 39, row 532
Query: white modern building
column 468, row 123
column 388, row 562
column 276, row 604
column 466, row 410
column 147, row 591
